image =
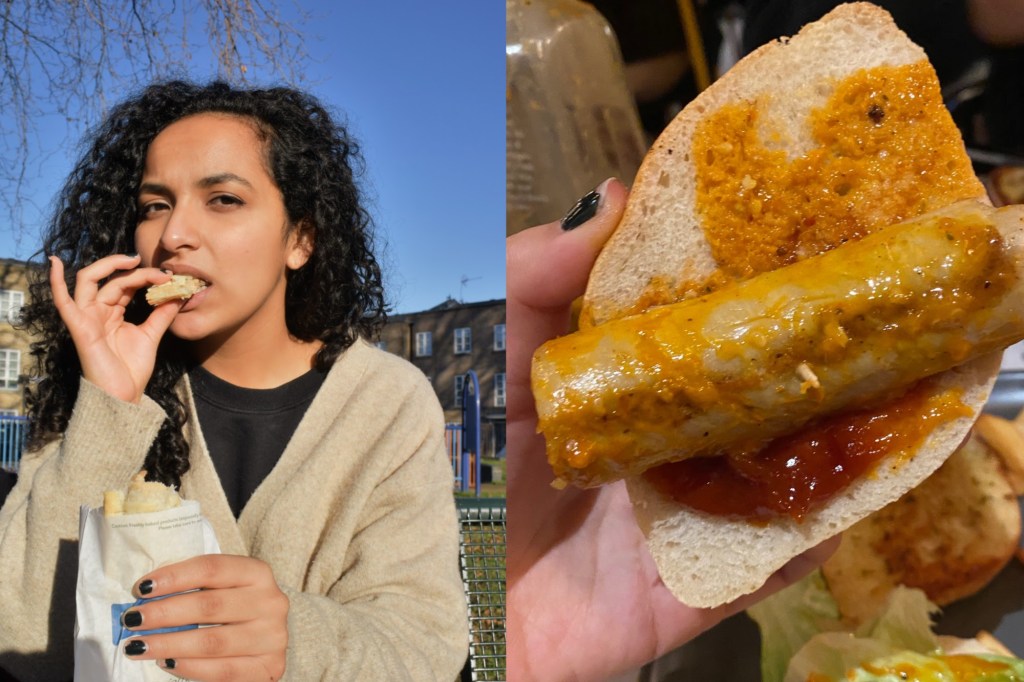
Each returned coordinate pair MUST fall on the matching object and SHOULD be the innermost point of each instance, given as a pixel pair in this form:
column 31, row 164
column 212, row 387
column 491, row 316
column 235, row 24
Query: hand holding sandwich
column 115, row 355
column 584, row 595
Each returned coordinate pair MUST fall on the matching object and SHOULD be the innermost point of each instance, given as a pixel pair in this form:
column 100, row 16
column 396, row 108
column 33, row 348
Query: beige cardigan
column 356, row 520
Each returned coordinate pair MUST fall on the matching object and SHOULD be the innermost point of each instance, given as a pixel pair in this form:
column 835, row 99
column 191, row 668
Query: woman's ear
column 300, row 246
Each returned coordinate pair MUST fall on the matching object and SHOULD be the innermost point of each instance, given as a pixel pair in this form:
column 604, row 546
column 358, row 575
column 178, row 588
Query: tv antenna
column 462, row 285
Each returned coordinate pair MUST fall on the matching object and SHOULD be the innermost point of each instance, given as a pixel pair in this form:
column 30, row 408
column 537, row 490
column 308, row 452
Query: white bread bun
column 661, row 236
column 703, row 559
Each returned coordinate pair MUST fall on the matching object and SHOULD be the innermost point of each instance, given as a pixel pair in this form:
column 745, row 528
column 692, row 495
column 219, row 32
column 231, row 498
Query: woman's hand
column 115, row 355
column 237, row 593
column 584, row 597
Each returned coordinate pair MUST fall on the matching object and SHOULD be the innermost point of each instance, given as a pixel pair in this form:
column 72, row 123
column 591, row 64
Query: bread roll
column 806, row 143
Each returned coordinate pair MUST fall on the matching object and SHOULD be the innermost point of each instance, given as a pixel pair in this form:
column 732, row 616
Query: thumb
column 160, row 319
column 546, row 269
column 547, row 266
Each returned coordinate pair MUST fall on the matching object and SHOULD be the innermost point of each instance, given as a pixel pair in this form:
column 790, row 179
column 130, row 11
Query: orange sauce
column 962, row 666
column 795, row 474
column 884, row 150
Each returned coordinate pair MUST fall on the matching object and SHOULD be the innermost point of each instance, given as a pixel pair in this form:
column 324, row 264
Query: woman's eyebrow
column 154, row 188
column 212, row 180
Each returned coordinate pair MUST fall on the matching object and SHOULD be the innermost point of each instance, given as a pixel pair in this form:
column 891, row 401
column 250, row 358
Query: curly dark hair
column 335, row 297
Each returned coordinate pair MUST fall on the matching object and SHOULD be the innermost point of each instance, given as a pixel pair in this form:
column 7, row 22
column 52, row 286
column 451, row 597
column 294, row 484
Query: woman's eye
column 149, row 209
column 226, row 200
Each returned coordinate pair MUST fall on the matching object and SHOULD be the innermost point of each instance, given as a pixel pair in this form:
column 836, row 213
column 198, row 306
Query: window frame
column 500, row 394
column 466, row 334
column 6, row 382
column 11, row 303
column 502, row 337
column 417, row 350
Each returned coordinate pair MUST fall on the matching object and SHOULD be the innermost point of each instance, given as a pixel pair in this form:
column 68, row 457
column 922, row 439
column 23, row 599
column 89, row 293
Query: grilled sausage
column 730, row 371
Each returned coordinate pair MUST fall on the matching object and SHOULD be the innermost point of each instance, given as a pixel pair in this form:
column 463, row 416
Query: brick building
column 15, row 361
column 447, row 341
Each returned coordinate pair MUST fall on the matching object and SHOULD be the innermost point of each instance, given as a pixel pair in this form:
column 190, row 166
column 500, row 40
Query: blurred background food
column 949, row 537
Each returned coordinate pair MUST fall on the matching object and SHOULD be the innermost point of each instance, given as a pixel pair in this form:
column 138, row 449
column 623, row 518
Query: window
column 10, row 305
column 499, row 337
column 10, row 368
column 499, row 389
column 460, row 381
column 424, row 344
column 463, row 340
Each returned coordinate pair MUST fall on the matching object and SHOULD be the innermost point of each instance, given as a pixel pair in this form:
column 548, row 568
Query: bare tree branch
column 66, row 60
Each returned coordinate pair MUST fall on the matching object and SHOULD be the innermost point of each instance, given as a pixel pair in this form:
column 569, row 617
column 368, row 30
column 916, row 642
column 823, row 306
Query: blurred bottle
column 570, row 120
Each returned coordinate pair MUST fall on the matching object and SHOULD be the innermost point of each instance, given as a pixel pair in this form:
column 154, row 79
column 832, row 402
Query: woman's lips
column 195, row 300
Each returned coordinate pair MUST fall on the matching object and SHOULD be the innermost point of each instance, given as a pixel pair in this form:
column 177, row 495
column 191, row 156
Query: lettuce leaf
column 791, row 617
column 801, row 637
column 905, row 622
column 904, row 627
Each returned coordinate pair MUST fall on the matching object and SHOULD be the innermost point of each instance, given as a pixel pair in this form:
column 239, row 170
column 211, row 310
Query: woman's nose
column 180, row 230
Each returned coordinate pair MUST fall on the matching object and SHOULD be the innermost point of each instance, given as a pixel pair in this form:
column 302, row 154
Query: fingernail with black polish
column 168, row 664
column 135, row 647
column 145, row 587
column 584, row 210
column 131, row 619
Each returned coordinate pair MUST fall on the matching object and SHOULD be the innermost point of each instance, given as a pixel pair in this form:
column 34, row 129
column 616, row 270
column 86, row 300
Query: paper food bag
column 113, row 553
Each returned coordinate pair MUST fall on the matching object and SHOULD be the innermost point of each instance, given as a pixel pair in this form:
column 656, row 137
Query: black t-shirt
column 247, row 429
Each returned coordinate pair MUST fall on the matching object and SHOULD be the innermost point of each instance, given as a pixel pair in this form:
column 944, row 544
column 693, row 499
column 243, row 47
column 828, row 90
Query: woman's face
column 209, row 208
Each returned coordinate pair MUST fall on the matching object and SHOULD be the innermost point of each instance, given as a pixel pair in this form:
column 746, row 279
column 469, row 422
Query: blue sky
column 421, row 85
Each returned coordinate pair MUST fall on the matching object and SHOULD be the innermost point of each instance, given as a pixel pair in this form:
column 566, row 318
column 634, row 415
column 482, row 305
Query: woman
column 317, row 459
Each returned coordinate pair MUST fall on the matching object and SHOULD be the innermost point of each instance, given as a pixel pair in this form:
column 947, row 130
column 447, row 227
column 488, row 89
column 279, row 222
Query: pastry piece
column 179, row 287
column 142, row 496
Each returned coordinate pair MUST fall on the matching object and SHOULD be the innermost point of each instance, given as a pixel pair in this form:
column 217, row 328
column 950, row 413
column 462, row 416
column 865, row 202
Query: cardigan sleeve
column 398, row 609
column 105, row 443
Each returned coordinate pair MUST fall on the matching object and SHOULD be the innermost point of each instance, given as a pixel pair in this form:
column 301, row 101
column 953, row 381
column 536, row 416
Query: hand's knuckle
column 207, row 566
column 156, row 612
column 266, row 573
column 211, row 642
column 168, row 580
column 230, row 671
column 272, row 666
column 210, row 605
column 280, row 603
column 281, row 639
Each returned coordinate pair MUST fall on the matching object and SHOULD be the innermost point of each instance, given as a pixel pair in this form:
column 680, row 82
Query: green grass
column 490, row 489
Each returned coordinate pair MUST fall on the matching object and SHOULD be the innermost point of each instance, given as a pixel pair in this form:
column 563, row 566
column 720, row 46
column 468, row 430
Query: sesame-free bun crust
column 706, row 560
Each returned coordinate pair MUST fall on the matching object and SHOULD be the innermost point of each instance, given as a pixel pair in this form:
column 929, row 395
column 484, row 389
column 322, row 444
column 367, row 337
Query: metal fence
column 12, row 440
column 482, row 558
column 465, row 465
